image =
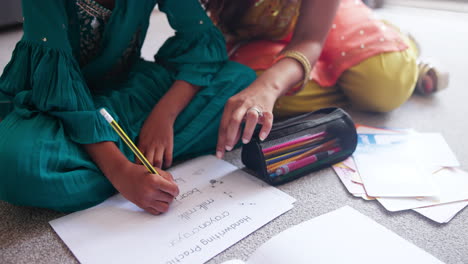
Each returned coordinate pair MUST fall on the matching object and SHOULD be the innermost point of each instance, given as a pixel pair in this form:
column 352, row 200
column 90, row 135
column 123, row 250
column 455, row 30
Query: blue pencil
column 273, row 175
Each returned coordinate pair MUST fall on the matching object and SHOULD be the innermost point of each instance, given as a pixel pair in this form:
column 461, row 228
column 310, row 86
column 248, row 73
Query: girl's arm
column 156, row 136
column 150, row 192
column 315, row 19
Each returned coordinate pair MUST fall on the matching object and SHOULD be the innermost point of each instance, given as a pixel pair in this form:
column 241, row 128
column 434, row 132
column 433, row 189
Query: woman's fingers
column 239, row 108
column 267, row 123
column 251, row 120
column 225, row 119
column 220, row 145
column 233, row 128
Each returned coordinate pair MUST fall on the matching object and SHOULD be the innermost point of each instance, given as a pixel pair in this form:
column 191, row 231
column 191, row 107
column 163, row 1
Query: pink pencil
column 295, row 165
column 289, row 143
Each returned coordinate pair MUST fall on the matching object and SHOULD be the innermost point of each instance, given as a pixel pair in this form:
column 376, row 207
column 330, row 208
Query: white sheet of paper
column 452, row 184
column 329, row 239
column 442, row 213
column 362, row 129
column 218, row 205
column 394, row 180
column 427, row 148
column 400, row 165
column 345, row 173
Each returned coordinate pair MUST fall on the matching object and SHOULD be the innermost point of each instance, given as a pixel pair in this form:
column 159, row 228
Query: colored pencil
column 128, row 141
column 272, row 168
column 295, row 165
column 292, row 147
column 298, row 140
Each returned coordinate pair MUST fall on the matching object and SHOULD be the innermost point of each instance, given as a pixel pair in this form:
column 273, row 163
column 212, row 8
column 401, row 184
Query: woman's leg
column 312, row 97
column 382, row 82
column 378, row 84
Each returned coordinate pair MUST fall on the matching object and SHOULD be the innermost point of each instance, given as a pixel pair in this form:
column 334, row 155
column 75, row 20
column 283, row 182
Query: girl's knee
column 32, row 176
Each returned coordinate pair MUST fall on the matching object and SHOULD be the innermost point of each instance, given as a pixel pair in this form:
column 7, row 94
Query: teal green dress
column 59, row 78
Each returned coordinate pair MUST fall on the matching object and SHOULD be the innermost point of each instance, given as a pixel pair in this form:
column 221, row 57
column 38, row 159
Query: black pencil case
column 300, row 145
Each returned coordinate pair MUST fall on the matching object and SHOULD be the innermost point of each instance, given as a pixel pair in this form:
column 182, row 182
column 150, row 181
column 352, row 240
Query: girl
column 57, row 151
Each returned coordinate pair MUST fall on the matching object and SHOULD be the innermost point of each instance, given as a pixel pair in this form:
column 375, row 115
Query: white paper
column 425, row 148
column 394, row 180
column 345, row 171
column 401, row 165
column 452, row 184
column 341, row 236
column 218, row 205
column 362, row 129
column 442, row 213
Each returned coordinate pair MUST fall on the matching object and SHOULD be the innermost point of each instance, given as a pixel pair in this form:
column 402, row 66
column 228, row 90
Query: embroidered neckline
column 94, row 9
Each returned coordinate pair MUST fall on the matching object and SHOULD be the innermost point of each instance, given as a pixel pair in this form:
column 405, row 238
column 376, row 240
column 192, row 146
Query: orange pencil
column 300, row 144
column 272, row 168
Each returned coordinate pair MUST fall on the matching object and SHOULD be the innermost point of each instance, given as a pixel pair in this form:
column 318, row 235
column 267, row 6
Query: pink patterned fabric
column 354, row 37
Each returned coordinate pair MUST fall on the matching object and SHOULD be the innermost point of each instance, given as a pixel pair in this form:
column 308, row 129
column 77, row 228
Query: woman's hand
column 156, row 140
column 153, row 193
column 254, row 105
column 314, row 22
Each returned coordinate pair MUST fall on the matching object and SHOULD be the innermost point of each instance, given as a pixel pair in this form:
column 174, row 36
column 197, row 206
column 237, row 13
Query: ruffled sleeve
column 43, row 75
column 197, row 51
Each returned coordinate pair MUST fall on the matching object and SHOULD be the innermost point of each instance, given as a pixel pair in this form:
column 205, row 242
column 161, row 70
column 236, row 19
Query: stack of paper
column 404, row 170
column 218, row 205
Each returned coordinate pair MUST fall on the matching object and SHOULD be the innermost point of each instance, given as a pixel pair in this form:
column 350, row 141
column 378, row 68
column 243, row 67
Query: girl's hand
column 254, row 105
column 156, row 140
column 150, row 192
column 153, row 193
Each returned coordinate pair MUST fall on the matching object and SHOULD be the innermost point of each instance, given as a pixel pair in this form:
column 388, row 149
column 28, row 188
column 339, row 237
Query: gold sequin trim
column 94, row 9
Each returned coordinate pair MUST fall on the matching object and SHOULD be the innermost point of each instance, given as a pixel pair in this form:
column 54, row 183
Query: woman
column 75, row 57
column 311, row 54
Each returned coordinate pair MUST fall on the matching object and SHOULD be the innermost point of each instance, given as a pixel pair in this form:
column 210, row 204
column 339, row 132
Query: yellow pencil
column 274, row 166
column 128, row 141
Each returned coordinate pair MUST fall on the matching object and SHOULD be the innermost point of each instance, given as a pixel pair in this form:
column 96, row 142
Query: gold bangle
column 302, row 59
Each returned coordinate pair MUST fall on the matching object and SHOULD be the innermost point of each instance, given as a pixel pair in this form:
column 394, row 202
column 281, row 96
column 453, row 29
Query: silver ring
column 259, row 112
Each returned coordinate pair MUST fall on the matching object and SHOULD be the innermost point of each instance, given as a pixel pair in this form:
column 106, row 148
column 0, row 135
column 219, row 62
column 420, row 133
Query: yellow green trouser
column 379, row 84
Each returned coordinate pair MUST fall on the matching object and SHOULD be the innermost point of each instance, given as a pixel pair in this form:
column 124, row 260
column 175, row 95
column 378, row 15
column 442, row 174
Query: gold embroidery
column 93, row 17
column 94, row 9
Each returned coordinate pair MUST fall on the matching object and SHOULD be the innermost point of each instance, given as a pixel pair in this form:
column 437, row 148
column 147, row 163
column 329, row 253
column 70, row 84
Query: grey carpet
column 26, row 237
